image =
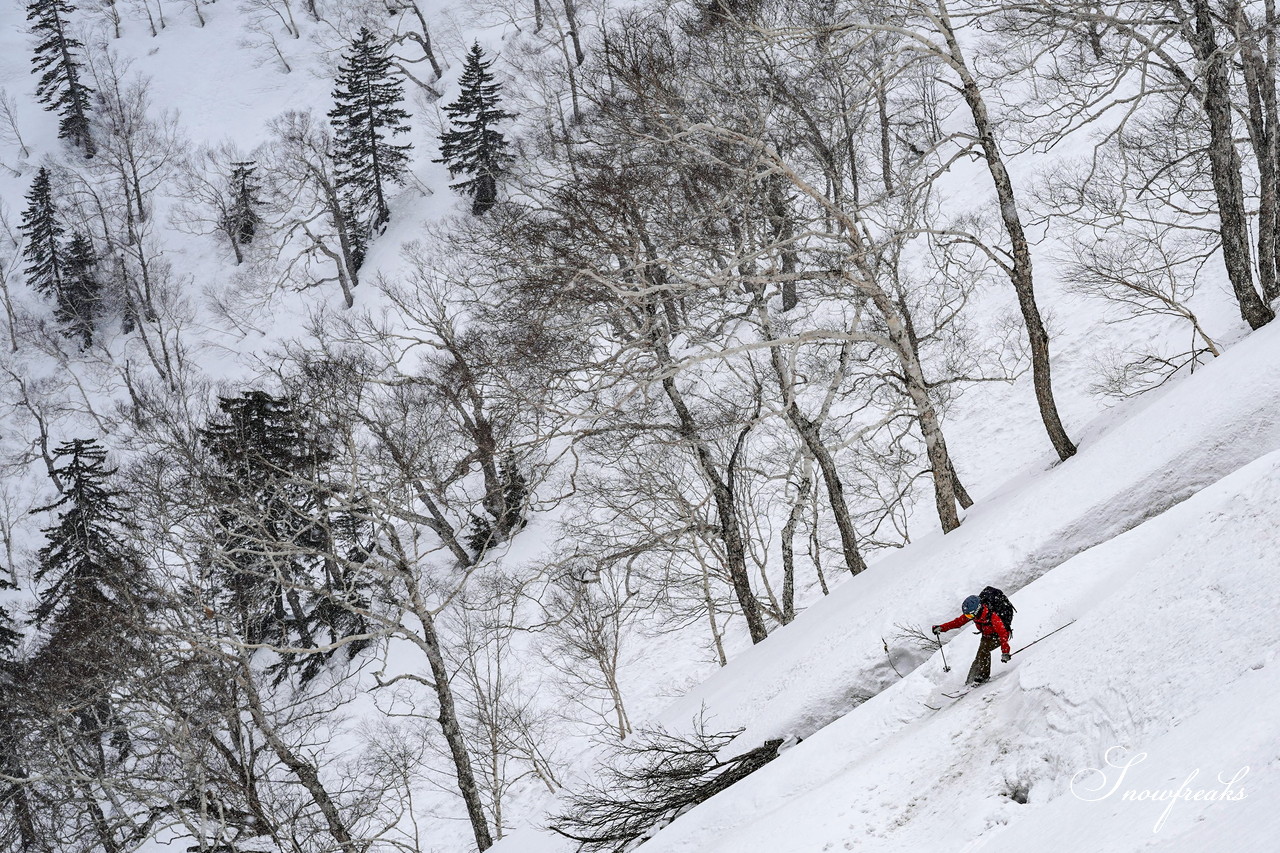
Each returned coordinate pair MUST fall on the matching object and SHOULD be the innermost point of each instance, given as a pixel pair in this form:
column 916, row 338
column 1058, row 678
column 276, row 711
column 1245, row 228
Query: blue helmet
column 971, row 605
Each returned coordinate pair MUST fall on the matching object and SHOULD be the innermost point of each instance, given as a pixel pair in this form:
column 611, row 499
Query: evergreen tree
column 68, row 273
column 15, row 801
column 43, row 248
column 93, row 594
column 365, row 117
column 474, row 146
column 505, row 511
column 515, row 491
column 9, row 641
column 56, row 61
column 357, row 237
column 94, row 603
column 81, row 289
column 260, row 448
column 85, row 567
column 9, row 637
column 281, row 548
column 242, row 217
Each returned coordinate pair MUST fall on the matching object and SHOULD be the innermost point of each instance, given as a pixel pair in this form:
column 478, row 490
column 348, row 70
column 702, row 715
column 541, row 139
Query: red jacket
column 987, row 621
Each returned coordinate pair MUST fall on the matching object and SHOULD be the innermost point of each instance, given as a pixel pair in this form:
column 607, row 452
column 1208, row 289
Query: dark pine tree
column 365, row 117
column 9, row 641
column 505, row 511
column 68, row 273
column 43, row 250
column 93, row 595
column 93, row 605
column 357, row 234
column 474, row 146
column 85, row 568
column 260, row 447
column 81, row 289
column 16, row 809
column 515, row 491
column 242, row 219
column 9, row 637
column 282, row 559
column 57, row 62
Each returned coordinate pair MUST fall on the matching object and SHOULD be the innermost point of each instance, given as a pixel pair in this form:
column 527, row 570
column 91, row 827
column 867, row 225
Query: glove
column 935, row 630
column 1004, row 658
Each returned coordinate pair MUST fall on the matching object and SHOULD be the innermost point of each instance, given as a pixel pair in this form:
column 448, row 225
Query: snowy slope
column 1170, row 447
column 1161, row 528
column 1150, row 665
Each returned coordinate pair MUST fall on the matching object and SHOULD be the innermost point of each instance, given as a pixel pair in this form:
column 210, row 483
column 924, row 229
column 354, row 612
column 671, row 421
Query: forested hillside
column 422, row 422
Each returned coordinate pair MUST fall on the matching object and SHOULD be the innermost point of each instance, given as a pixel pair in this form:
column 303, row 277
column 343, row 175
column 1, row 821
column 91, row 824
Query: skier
column 992, row 627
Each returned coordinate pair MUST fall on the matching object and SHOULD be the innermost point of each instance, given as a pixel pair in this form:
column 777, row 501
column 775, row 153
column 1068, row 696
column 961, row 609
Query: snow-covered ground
column 1172, row 656
column 1159, row 538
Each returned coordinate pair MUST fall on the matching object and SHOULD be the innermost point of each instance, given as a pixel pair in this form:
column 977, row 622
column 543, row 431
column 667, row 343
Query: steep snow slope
column 1133, row 465
column 1173, row 620
column 1170, row 447
column 1173, row 654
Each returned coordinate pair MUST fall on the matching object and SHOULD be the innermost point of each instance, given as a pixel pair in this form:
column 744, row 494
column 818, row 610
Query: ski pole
column 1046, row 636
column 945, row 668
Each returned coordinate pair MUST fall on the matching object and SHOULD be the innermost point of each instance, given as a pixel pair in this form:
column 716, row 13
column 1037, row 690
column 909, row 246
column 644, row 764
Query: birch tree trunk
column 428, row 641
column 788, row 543
column 1258, row 64
column 730, row 528
column 730, row 532
column 1020, row 272
column 1224, row 161
column 303, row 770
column 809, row 432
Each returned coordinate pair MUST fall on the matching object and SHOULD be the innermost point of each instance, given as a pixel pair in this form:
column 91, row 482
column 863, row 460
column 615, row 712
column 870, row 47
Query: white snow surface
column 1172, row 655
column 1159, row 539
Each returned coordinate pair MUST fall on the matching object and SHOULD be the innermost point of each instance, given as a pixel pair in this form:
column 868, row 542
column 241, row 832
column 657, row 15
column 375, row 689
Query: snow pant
column 981, row 669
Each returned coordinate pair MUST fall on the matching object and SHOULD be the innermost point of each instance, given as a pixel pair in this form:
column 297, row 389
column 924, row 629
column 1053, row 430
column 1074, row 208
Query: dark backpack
column 999, row 604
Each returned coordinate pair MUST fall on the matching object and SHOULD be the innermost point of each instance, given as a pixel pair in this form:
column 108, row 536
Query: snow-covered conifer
column 86, row 565
column 42, row 250
column 366, row 116
column 58, row 64
column 274, row 568
column 65, row 271
column 9, row 637
column 81, row 289
column 15, row 805
column 474, row 146
column 243, row 218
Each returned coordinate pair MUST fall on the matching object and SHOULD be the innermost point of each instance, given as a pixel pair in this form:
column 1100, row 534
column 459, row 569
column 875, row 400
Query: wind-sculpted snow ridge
column 1158, row 688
